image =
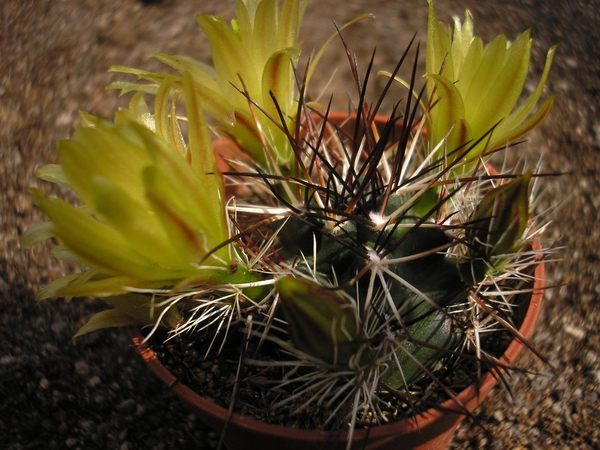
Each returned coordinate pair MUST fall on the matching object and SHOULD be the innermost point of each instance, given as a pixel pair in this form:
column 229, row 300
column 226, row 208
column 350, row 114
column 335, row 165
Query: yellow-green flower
column 474, row 88
column 255, row 56
column 152, row 216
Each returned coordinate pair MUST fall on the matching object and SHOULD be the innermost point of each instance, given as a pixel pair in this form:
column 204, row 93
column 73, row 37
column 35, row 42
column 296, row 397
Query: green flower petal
column 37, row 233
column 105, row 319
column 94, row 241
column 508, row 82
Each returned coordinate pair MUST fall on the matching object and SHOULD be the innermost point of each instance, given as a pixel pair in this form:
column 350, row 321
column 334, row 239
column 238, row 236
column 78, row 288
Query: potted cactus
column 343, row 269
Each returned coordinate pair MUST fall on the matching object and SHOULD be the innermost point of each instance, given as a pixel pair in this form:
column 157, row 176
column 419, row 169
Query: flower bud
column 322, row 322
column 501, row 217
column 497, row 226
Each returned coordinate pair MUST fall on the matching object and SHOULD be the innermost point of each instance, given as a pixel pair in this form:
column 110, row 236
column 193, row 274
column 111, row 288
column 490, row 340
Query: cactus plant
column 365, row 256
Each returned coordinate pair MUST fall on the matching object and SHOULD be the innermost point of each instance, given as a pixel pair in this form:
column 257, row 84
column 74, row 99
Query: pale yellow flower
column 474, row 88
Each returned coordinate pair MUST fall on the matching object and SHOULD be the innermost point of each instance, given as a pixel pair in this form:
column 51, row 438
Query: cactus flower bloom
column 474, row 88
column 151, row 217
column 256, row 56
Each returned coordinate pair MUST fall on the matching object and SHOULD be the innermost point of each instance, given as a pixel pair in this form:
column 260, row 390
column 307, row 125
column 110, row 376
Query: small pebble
column 577, row 332
column 140, row 410
column 591, row 357
column 94, row 381
column 127, row 405
column 6, row 360
column 82, row 367
column 58, row 327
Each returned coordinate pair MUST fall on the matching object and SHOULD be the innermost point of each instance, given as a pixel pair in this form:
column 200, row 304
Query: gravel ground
column 97, row 394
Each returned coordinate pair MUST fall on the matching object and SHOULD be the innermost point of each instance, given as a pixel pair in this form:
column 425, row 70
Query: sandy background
column 54, row 57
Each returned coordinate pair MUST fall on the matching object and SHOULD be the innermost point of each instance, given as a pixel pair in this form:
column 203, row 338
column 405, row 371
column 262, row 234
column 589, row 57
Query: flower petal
column 94, row 241
column 106, row 319
column 506, row 88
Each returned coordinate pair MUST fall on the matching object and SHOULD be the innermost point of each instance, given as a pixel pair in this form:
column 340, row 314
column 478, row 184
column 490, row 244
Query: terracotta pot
column 432, row 430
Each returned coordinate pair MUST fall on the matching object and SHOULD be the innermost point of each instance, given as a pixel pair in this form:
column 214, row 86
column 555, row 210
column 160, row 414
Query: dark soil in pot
column 214, row 378
column 430, row 430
